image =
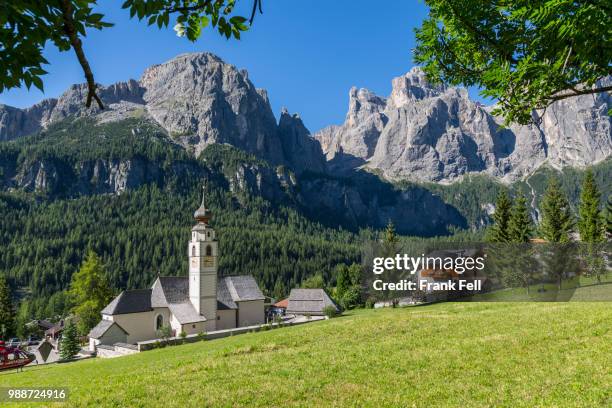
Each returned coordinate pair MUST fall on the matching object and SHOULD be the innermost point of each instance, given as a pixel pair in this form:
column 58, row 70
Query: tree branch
column 77, row 45
column 189, row 8
column 491, row 41
column 578, row 92
column 254, row 11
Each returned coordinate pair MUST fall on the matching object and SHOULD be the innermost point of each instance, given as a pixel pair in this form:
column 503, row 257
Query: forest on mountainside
column 140, row 228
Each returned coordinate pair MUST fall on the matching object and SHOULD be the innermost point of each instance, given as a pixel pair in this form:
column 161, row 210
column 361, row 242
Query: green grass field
column 453, row 354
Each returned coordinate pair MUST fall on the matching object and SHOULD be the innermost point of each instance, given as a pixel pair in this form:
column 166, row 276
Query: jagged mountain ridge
column 197, row 98
column 81, row 157
column 424, row 132
column 421, row 132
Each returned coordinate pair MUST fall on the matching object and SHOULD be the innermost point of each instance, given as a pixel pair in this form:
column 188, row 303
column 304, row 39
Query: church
column 199, row 302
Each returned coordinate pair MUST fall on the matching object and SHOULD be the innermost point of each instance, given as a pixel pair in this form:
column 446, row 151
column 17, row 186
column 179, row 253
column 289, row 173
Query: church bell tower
column 203, row 267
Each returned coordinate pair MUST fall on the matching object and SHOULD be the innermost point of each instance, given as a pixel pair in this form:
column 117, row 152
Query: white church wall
column 93, row 343
column 141, row 326
column 175, row 325
column 113, row 335
column 226, row 319
column 251, row 313
column 194, row 328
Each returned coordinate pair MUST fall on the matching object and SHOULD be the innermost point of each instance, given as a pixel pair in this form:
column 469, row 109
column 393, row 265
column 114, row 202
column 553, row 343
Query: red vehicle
column 13, row 357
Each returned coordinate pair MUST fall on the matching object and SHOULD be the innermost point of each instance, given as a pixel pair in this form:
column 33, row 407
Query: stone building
column 199, row 302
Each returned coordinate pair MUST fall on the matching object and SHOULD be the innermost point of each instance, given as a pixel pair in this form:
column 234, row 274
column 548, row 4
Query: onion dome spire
column 202, row 214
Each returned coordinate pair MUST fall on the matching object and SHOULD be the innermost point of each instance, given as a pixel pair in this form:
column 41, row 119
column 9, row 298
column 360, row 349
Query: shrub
column 369, row 303
column 278, row 320
column 164, row 333
column 183, row 335
column 351, row 297
column 330, row 311
column 202, row 335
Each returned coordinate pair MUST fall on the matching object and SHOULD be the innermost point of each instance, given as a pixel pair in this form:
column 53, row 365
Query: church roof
column 309, row 301
column 169, row 289
column 224, row 297
column 173, row 292
column 102, row 328
column 241, row 288
column 185, row 313
column 130, row 301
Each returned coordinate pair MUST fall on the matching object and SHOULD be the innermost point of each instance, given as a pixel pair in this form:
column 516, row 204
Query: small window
column 193, row 251
column 159, row 322
column 208, row 234
column 193, row 326
column 208, row 250
column 218, row 317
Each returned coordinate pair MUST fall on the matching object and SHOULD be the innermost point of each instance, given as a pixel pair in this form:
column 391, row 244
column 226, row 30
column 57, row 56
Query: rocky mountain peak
column 201, row 100
column 197, row 98
column 412, row 86
column 299, row 149
column 427, row 132
column 422, row 131
column 363, row 103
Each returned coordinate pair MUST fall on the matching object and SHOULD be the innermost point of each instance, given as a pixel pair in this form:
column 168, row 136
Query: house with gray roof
column 201, row 301
column 311, row 302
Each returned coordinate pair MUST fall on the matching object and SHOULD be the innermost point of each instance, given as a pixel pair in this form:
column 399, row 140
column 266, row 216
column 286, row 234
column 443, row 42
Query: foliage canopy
column 526, row 54
column 27, row 26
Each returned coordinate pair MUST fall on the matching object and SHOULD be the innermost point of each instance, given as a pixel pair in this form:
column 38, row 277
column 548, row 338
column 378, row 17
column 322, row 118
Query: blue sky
column 307, row 54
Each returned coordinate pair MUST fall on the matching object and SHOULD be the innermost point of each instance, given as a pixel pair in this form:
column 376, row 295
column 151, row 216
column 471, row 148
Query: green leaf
column 37, row 82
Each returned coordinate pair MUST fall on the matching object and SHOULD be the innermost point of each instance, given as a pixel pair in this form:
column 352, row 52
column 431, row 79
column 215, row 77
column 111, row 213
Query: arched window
column 193, row 251
column 159, row 322
column 208, row 250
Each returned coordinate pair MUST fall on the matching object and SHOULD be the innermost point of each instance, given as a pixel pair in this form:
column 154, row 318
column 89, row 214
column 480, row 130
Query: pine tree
column 89, row 292
column 501, row 218
column 69, row 344
column 609, row 217
column 390, row 241
column 390, row 236
column 343, row 280
column 520, row 226
column 590, row 223
column 556, row 214
column 7, row 313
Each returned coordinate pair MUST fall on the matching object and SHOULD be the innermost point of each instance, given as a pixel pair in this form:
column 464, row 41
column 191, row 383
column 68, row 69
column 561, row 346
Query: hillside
column 127, row 190
column 454, row 354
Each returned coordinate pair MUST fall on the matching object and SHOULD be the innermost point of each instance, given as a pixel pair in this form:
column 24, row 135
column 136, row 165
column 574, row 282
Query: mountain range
column 125, row 180
column 421, row 132
column 387, row 161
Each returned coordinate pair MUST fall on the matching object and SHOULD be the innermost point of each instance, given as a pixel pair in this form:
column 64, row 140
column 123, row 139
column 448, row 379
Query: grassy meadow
column 452, row 354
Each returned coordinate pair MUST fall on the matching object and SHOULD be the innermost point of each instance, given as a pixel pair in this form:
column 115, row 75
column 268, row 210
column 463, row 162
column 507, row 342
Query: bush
column 330, row 311
column 164, row 333
column 369, row 303
column 202, row 335
column 278, row 320
column 351, row 297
